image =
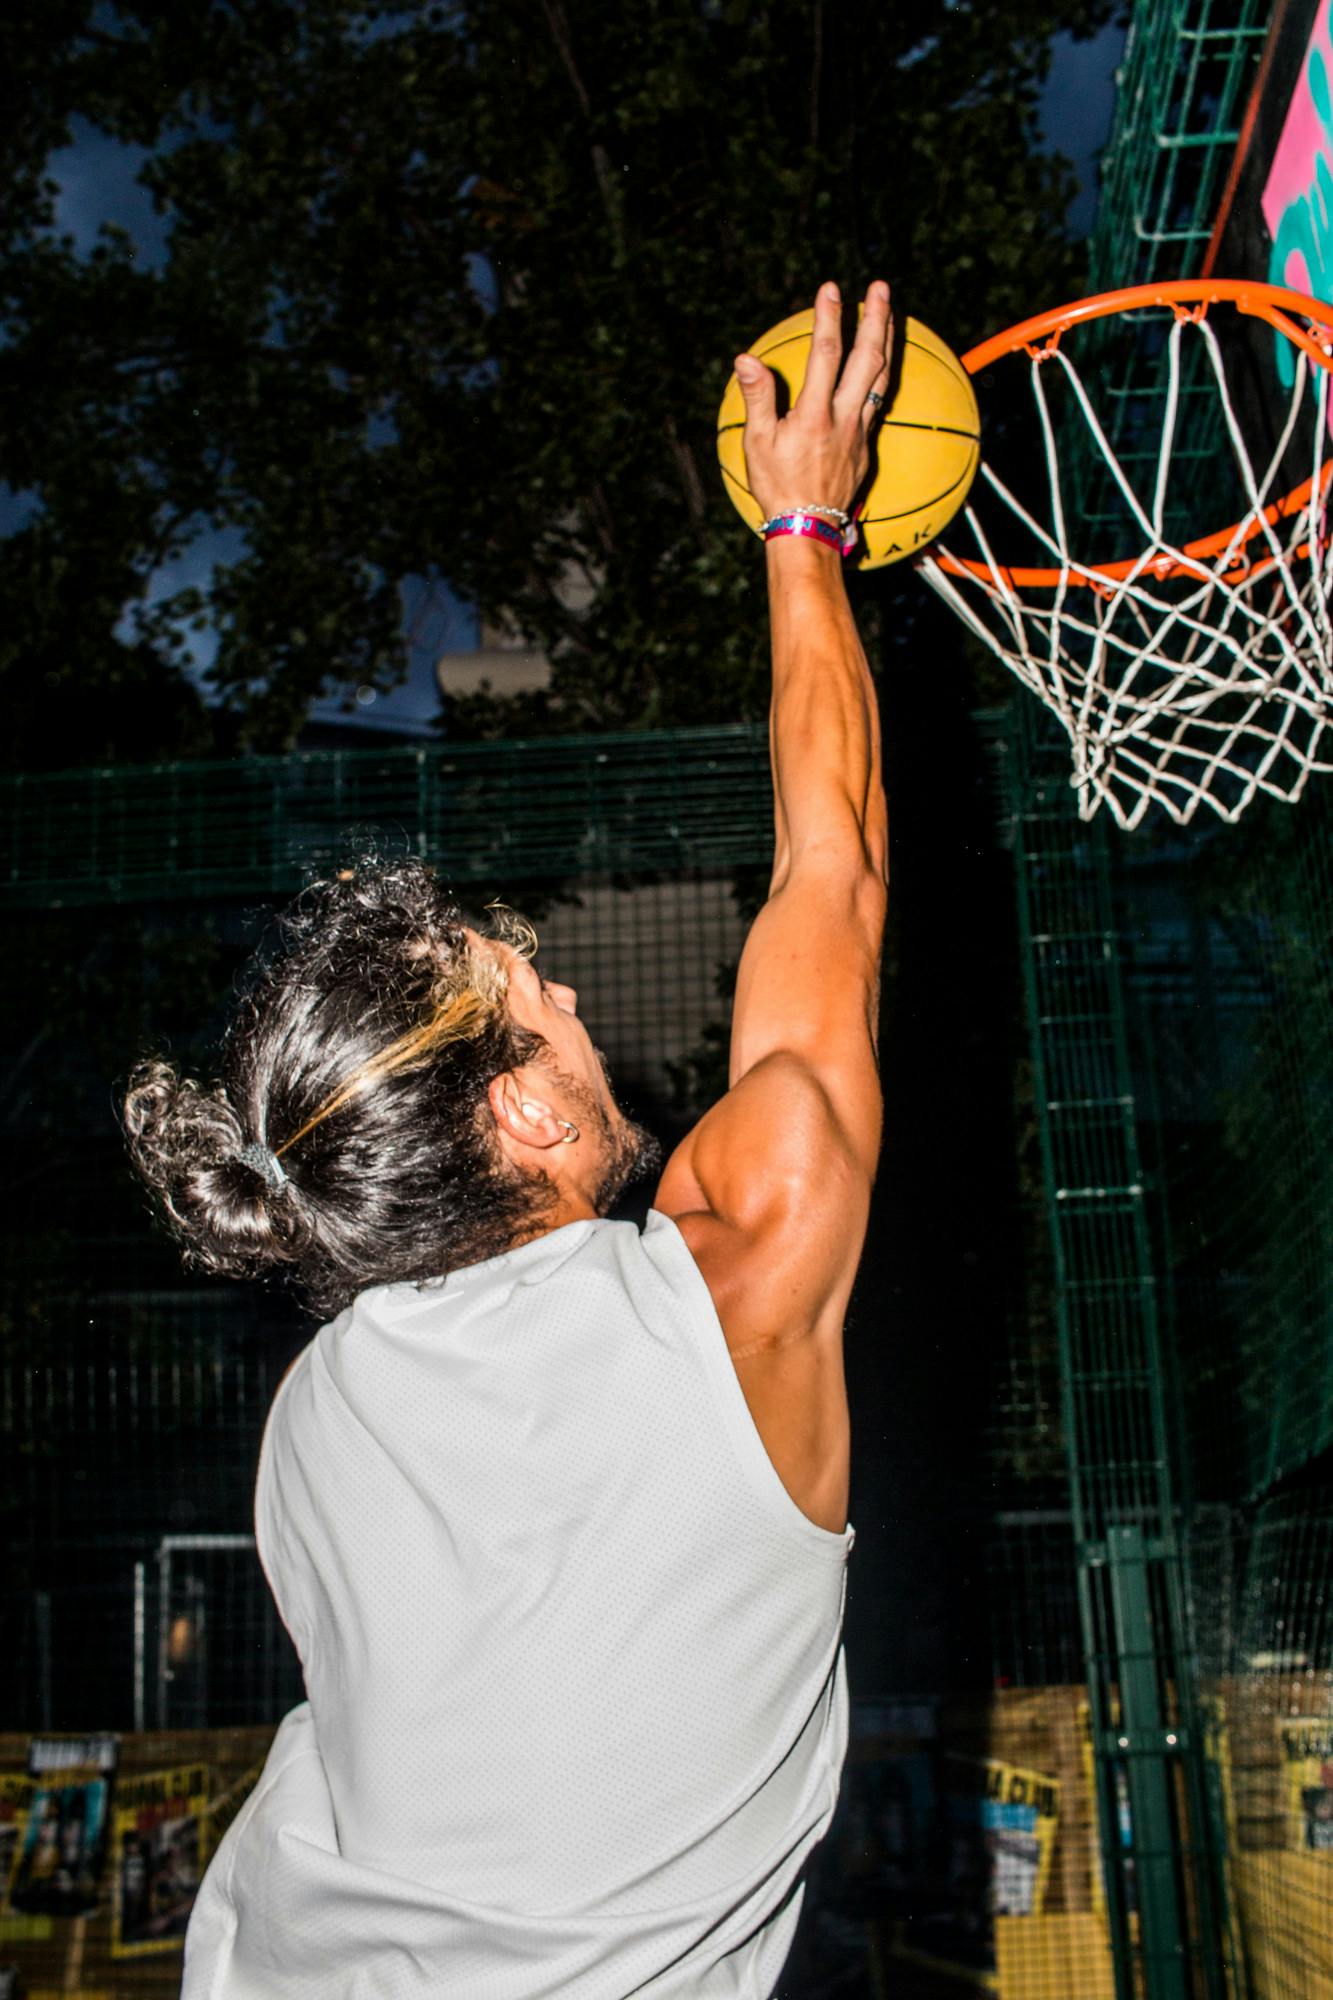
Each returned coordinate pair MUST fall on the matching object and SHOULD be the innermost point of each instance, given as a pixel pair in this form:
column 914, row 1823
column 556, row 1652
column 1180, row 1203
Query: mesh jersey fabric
column 577, row 1704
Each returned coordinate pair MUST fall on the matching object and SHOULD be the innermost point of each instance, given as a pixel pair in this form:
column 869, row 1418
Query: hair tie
column 265, row 1163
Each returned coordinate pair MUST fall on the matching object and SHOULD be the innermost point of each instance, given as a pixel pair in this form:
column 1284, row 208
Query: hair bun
column 230, row 1216
column 369, row 1033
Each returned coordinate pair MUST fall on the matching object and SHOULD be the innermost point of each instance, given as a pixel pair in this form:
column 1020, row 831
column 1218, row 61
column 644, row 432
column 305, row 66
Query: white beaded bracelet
column 813, row 507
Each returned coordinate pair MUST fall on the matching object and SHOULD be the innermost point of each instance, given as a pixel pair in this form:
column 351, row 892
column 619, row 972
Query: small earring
column 571, row 1132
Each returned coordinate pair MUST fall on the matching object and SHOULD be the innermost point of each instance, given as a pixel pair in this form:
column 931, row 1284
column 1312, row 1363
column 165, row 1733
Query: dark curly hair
column 360, row 1058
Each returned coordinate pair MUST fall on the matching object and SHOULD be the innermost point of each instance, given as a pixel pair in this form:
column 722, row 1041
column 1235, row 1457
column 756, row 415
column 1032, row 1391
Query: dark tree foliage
column 453, row 291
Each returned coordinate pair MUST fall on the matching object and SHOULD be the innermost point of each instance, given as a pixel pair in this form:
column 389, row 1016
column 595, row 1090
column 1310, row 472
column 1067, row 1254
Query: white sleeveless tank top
column 577, row 1706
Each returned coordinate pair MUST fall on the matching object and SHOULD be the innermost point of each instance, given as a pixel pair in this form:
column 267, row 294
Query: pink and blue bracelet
column 809, row 521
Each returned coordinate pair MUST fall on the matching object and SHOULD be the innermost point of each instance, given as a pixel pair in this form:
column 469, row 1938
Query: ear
column 523, row 1115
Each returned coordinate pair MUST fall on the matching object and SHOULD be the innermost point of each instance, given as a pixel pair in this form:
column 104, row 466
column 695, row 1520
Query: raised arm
column 771, row 1189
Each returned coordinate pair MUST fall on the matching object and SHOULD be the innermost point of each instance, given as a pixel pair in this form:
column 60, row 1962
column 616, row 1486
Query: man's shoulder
column 772, row 1146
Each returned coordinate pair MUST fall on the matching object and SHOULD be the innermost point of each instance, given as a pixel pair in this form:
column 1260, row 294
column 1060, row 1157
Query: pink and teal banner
column 1297, row 199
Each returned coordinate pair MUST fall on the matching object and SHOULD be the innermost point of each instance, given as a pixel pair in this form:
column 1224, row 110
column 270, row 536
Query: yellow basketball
column 928, row 444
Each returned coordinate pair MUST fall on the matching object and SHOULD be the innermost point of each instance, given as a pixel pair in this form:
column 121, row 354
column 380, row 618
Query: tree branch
column 816, row 72
column 558, row 22
column 689, row 476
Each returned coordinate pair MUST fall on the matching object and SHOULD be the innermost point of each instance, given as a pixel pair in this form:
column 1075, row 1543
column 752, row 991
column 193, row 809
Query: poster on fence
column 1307, row 1772
column 157, row 1858
column 1000, row 1822
column 16, row 1790
column 223, row 1809
column 62, row 1853
column 16, row 1796
column 1017, row 1812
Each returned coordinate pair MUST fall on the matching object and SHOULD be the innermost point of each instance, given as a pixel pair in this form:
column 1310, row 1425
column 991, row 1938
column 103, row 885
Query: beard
column 633, row 1154
column 629, row 1152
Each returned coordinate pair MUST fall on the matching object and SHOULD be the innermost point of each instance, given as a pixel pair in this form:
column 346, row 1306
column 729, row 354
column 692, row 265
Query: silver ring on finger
column 874, row 398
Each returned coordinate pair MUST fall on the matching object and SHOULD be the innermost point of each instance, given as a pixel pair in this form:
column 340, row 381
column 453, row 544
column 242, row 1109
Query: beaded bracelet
column 802, row 522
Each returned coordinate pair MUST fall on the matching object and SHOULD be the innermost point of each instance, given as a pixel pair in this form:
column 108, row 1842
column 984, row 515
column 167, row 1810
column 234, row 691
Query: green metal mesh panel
column 1094, row 1179
column 512, row 812
column 1146, row 1735
column 1187, row 71
column 1245, row 1175
column 1246, row 1153
column 1032, row 1579
column 139, row 1409
column 1182, row 89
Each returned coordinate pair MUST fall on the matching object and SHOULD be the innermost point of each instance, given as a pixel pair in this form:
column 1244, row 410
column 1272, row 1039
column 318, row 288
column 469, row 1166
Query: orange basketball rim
column 1193, row 672
column 1306, row 322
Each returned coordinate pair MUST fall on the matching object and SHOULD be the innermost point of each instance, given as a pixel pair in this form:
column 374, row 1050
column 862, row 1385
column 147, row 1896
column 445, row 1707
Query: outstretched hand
column 818, row 454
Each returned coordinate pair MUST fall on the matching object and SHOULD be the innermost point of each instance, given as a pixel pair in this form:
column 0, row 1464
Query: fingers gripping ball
column 927, row 446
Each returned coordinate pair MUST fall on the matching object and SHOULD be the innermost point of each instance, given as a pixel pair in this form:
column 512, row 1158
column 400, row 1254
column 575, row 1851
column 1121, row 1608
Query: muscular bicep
column 808, row 988
column 772, row 1188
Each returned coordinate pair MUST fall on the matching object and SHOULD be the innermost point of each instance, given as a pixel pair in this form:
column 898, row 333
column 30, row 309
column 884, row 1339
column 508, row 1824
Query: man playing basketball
column 554, row 1510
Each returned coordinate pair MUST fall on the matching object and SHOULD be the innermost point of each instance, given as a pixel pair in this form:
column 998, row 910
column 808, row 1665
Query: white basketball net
column 1201, row 689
